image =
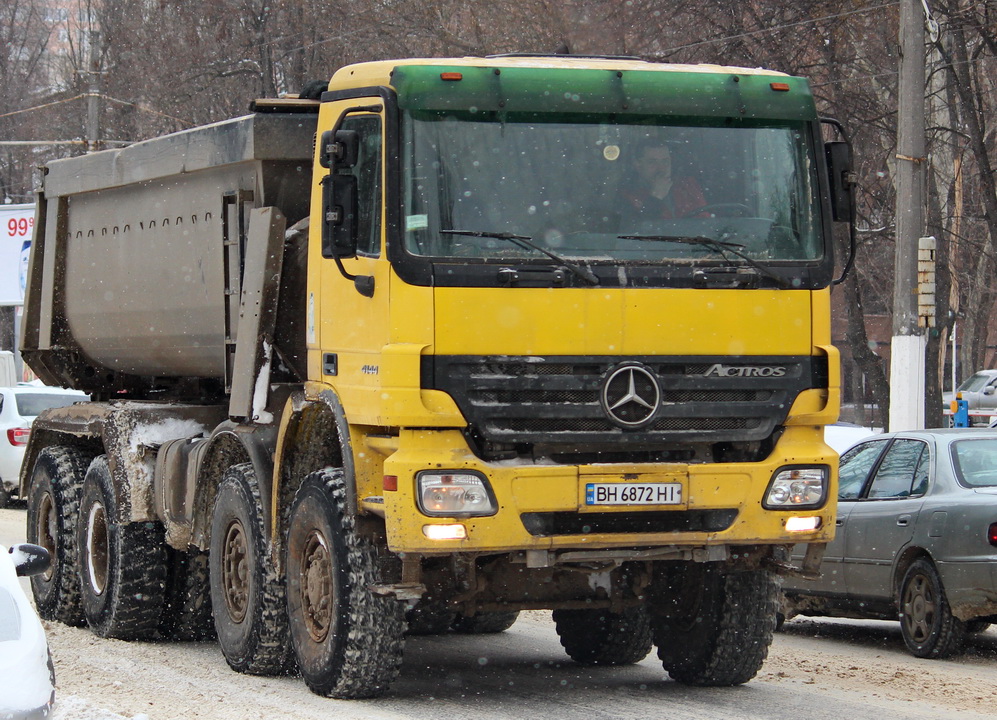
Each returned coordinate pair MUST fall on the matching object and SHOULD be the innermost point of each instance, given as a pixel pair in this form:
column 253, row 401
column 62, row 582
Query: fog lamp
column 802, row 524
column 454, row 494
column 797, row 487
column 445, row 532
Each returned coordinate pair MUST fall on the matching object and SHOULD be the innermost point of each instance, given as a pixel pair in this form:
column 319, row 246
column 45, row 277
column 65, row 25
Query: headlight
column 454, row 494
column 797, row 488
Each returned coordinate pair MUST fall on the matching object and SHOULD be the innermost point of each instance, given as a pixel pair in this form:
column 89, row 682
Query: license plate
column 633, row 493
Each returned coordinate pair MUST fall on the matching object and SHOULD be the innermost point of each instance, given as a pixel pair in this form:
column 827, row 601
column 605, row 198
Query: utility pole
column 93, row 95
column 908, row 346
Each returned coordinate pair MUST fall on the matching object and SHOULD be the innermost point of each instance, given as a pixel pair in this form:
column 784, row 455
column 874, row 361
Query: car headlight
column 795, row 488
column 454, row 493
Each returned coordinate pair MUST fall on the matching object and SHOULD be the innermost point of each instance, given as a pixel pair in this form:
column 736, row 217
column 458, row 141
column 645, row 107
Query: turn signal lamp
column 451, row 76
column 779, row 86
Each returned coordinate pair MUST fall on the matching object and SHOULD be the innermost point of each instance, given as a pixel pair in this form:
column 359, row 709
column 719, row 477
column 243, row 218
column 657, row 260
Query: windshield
column 598, row 190
column 32, row 404
column 974, row 383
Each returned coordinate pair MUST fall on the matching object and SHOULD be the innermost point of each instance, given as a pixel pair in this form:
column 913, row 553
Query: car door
column 882, row 520
column 856, row 464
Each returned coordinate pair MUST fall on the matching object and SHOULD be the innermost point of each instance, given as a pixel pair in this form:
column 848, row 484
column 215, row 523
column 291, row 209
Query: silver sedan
column 916, row 539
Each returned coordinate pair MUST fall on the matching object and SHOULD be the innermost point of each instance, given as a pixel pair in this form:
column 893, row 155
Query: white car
column 27, row 676
column 19, row 405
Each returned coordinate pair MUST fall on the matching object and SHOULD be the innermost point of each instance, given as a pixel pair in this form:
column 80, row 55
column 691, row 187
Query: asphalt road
column 851, row 670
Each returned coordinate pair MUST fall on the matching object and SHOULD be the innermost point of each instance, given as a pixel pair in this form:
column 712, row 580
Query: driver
column 654, row 192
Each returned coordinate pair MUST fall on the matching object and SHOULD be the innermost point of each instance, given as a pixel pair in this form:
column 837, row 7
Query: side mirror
column 339, row 220
column 340, row 148
column 30, row 559
column 839, row 170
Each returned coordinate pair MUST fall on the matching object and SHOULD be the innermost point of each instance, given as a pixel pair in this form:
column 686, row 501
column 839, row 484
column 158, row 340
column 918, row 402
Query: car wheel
column 927, row 624
column 348, row 641
column 53, row 508
column 247, row 594
column 122, row 564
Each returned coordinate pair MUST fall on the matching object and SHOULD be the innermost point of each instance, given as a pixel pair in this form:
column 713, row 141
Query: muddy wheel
column 187, row 607
column 713, row 626
column 53, row 509
column 601, row 637
column 926, row 622
column 486, row 623
column 247, row 594
column 122, row 565
column 348, row 642
column 4, row 495
column 429, row 618
column 974, row 627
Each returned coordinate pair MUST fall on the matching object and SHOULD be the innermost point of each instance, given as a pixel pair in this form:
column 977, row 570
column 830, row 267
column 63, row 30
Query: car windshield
column 974, row 383
column 975, row 461
column 32, row 404
column 598, row 189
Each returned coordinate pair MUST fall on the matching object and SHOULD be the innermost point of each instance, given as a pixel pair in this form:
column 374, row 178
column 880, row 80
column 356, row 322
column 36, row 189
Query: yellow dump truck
column 456, row 339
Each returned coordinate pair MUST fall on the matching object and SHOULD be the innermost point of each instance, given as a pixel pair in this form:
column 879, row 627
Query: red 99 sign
column 20, row 226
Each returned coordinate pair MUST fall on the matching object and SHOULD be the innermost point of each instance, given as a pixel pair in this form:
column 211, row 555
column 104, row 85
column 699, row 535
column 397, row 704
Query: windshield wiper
column 721, row 246
column 525, row 241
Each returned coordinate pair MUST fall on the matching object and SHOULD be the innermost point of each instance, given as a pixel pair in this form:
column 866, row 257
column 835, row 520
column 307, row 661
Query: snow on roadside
column 73, row 707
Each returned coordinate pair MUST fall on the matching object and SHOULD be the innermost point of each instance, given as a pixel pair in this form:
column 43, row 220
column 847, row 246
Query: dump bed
column 138, row 252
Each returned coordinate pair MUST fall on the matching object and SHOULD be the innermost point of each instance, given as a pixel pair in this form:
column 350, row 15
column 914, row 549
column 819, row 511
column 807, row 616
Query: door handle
column 838, row 522
column 903, row 520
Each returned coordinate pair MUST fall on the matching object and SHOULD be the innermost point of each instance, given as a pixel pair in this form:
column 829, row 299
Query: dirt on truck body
column 414, row 357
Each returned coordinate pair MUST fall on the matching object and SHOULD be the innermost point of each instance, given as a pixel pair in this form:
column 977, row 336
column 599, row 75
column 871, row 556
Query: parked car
column 979, row 391
column 27, row 676
column 916, row 539
column 842, row 435
column 19, row 405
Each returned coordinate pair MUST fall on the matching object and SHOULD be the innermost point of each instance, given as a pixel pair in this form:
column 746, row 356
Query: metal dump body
column 138, row 253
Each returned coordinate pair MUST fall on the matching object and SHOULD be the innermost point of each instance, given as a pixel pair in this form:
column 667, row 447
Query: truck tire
column 187, row 607
column 713, row 626
column 53, row 509
column 348, row 642
column 247, row 594
column 122, row 565
column 429, row 618
column 486, row 623
column 928, row 627
column 4, row 495
column 601, row 637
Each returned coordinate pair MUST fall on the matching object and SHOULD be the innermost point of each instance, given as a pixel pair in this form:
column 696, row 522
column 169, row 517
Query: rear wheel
column 187, row 608
column 122, row 565
column 485, row 623
column 429, row 617
column 247, row 594
column 53, row 508
column 348, row 642
column 601, row 637
column 927, row 624
column 713, row 626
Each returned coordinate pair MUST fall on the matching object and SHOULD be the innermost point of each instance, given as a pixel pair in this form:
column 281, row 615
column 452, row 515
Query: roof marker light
column 451, row 76
column 779, row 86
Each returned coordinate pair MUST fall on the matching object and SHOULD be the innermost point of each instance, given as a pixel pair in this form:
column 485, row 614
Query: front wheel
column 348, row 642
column 927, row 624
column 712, row 625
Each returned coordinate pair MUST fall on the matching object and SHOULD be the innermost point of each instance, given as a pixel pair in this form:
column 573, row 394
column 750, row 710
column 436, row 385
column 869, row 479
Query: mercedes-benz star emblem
column 630, row 396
